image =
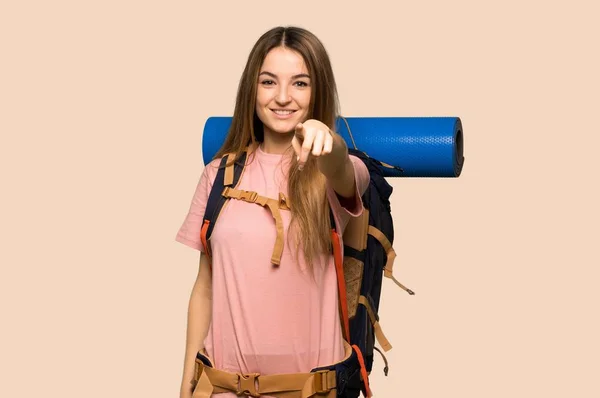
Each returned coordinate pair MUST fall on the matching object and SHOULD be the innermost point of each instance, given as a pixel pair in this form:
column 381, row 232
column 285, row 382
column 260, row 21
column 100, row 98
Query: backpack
column 368, row 255
column 368, row 258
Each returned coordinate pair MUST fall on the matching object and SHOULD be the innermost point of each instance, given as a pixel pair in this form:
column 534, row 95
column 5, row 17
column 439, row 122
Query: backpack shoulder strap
column 339, row 269
column 227, row 176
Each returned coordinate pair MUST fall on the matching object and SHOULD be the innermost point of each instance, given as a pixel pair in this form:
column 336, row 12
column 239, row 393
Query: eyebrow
column 293, row 77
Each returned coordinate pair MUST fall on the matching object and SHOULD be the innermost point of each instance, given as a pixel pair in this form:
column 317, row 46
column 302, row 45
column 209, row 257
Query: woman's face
column 283, row 92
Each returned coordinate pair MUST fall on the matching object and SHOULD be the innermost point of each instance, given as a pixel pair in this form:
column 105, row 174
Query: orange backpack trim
column 339, row 268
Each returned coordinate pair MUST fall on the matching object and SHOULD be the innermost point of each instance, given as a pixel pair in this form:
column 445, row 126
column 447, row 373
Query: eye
column 267, row 82
column 301, row 84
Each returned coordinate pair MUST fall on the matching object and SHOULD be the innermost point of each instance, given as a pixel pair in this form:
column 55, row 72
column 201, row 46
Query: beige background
column 102, row 110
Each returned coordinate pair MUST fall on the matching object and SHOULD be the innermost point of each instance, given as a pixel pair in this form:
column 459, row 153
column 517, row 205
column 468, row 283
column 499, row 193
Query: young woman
column 261, row 323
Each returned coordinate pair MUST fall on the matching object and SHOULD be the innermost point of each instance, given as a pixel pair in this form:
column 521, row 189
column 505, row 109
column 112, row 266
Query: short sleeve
column 344, row 209
column 189, row 232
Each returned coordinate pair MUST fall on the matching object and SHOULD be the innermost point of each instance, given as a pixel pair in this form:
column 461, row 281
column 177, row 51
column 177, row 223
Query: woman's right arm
column 199, row 317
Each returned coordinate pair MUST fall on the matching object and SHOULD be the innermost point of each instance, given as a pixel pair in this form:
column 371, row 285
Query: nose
column 282, row 96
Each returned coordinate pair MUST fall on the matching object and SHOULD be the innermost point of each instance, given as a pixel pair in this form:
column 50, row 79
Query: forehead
column 283, row 61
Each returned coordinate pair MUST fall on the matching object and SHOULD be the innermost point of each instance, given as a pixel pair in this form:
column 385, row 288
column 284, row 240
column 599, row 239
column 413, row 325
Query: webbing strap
column 294, row 385
column 229, row 170
column 204, row 241
column 381, row 339
column 391, row 256
column 363, row 371
column 203, row 387
column 203, row 237
column 339, row 268
column 274, row 205
column 229, row 174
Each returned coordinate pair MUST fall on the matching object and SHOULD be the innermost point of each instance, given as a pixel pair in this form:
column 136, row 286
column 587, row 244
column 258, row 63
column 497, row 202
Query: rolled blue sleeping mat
column 416, row 146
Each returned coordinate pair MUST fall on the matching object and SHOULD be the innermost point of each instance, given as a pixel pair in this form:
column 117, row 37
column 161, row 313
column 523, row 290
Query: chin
column 282, row 126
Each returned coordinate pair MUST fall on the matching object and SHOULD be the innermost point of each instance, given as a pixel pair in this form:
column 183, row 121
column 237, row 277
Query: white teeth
column 280, row 112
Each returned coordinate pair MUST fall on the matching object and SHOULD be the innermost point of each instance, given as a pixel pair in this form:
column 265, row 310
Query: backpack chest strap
column 274, row 206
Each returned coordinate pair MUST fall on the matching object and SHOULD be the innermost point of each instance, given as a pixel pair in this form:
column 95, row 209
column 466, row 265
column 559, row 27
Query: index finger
column 306, row 147
column 299, row 130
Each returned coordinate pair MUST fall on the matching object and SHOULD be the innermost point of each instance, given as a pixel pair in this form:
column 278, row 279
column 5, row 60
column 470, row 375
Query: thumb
column 299, row 128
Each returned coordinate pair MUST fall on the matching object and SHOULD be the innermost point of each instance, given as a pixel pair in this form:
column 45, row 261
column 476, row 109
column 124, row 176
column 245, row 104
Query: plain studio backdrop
column 102, row 108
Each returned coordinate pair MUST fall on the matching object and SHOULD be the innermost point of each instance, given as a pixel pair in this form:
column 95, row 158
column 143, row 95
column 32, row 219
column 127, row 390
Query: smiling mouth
column 283, row 112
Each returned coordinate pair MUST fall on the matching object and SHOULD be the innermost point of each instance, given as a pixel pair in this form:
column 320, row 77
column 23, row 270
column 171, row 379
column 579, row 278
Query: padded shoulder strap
column 227, row 176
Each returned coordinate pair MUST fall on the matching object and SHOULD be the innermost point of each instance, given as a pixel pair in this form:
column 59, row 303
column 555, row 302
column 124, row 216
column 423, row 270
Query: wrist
column 333, row 163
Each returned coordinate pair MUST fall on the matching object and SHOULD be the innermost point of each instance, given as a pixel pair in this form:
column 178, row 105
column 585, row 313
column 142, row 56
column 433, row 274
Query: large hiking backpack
column 368, row 255
column 368, row 258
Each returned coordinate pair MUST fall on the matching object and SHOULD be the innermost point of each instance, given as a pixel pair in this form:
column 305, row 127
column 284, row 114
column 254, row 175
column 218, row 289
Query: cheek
column 260, row 104
column 259, row 110
column 262, row 97
column 306, row 98
column 262, row 100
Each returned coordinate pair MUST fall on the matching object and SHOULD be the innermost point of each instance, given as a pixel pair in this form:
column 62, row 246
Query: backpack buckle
column 246, row 196
column 320, row 382
column 250, row 197
column 246, row 384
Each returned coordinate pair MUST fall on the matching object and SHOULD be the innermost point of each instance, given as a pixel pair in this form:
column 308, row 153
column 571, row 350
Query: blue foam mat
column 420, row 146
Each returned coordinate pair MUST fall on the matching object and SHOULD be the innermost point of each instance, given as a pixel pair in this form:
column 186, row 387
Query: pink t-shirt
column 268, row 319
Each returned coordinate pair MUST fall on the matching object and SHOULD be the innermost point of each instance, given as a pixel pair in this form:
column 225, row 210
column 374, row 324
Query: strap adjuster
column 250, row 197
column 246, row 384
column 320, row 382
column 246, row 196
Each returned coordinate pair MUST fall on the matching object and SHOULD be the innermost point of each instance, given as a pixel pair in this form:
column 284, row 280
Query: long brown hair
column 306, row 189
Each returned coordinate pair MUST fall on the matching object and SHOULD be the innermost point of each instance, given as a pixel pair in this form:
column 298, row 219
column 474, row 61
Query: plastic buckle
column 320, row 382
column 247, row 196
column 246, row 384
